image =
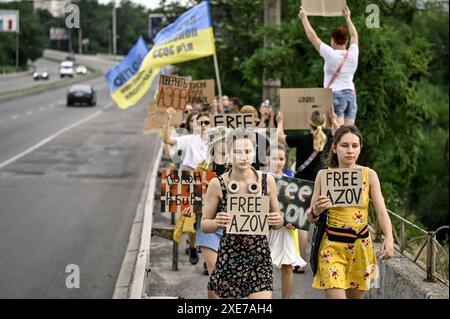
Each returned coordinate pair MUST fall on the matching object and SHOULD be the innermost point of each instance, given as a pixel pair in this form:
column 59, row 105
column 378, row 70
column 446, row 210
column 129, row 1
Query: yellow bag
column 188, row 226
column 178, row 231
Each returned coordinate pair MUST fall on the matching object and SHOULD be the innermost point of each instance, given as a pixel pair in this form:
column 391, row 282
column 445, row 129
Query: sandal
column 299, row 270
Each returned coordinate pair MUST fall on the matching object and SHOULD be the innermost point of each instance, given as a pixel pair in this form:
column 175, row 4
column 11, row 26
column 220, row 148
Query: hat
column 250, row 109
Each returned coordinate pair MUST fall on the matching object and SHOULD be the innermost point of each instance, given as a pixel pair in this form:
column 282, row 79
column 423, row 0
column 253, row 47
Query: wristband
column 314, row 215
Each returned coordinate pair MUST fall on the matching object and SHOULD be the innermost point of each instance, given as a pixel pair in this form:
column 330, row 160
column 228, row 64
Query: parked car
column 81, row 93
column 41, row 74
column 81, row 69
column 66, row 69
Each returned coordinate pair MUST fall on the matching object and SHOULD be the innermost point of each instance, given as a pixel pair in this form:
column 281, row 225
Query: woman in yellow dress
column 346, row 270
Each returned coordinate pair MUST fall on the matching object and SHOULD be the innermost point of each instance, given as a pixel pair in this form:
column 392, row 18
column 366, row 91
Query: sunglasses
column 204, row 122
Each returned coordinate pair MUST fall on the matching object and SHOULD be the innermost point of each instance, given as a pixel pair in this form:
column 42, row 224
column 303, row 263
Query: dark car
column 41, row 74
column 81, row 93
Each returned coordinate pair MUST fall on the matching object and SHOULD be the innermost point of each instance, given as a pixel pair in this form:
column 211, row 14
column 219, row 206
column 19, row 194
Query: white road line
column 14, row 117
column 48, row 139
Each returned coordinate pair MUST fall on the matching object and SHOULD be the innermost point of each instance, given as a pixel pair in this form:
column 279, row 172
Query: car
column 81, row 93
column 81, row 69
column 41, row 74
column 66, row 69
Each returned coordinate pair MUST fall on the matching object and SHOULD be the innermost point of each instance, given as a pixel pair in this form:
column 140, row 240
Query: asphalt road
column 72, row 198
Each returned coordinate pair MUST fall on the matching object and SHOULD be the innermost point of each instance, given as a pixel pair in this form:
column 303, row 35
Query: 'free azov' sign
column 342, row 186
column 250, row 214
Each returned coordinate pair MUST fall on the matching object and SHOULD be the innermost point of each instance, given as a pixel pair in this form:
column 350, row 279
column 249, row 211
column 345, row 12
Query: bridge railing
column 416, row 244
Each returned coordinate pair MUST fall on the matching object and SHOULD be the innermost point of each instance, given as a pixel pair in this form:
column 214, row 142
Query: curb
column 11, row 95
column 133, row 273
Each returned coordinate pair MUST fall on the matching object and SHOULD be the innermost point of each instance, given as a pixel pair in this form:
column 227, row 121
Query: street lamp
column 114, row 37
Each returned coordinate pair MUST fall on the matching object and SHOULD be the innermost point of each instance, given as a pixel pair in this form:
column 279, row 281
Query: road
column 71, row 198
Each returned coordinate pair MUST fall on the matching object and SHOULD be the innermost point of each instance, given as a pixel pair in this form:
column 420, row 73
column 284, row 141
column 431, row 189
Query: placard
column 294, row 197
column 250, row 214
column 173, row 92
column 181, row 189
column 233, row 121
column 201, row 92
column 325, row 8
column 157, row 117
column 297, row 106
column 342, row 186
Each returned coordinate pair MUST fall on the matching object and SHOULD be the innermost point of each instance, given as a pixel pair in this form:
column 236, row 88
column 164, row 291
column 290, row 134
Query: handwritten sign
column 173, row 92
column 298, row 104
column 325, row 8
column 250, row 214
column 183, row 188
column 294, row 196
column 342, row 186
column 233, row 120
column 201, row 92
column 156, row 118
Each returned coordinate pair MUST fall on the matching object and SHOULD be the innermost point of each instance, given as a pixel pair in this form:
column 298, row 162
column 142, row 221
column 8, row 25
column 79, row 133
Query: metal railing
column 411, row 241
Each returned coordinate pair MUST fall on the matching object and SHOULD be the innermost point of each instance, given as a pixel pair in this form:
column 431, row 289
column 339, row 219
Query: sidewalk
column 189, row 282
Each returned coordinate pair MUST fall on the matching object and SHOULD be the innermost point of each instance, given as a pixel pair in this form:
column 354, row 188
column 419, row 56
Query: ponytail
column 319, row 139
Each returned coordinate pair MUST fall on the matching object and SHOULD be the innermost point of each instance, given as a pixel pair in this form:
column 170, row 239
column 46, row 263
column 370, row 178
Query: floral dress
column 345, row 265
column 244, row 265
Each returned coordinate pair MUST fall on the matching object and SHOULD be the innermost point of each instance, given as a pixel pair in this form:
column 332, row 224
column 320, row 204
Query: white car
column 66, row 69
column 81, row 69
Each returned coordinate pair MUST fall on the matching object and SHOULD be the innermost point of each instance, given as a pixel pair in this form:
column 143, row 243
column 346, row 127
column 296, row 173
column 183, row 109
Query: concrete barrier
column 400, row 278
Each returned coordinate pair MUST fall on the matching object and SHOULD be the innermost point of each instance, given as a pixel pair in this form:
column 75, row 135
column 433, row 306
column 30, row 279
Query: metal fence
column 417, row 244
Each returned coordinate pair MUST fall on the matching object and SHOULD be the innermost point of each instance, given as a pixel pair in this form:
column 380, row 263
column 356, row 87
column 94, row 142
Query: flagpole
column 219, row 85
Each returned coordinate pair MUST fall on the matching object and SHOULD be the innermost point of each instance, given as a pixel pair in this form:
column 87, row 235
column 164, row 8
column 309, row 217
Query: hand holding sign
column 276, row 220
column 322, row 203
column 223, row 219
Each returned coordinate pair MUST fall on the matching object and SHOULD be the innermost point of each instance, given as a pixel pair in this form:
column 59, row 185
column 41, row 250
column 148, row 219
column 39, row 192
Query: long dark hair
column 332, row 159
column 188, row 121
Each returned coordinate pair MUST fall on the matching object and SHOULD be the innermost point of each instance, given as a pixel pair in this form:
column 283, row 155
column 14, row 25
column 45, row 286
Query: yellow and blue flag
column 190, row 37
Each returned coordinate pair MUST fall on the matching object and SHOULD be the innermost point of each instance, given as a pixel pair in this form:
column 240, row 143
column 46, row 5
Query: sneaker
column 193, row 256
column 205, row 269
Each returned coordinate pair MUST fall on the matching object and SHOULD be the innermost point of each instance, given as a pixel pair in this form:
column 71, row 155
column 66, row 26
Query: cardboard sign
column 342, row 186
column 201, row 92
column 250, row 214
column 233, row 120
column 325, row 8
column 294, row 196
column 183, row 188
column 156, row 118
column 173, row 92
column 298, row 104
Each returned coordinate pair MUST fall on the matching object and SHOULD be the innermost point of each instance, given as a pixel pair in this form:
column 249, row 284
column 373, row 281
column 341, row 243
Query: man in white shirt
column 340, row 66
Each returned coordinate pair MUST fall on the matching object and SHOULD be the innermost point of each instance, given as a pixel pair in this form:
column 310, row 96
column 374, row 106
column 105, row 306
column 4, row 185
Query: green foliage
column 32, row 39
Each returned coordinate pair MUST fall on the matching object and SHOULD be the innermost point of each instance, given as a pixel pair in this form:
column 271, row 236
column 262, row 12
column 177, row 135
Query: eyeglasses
column 204, row 122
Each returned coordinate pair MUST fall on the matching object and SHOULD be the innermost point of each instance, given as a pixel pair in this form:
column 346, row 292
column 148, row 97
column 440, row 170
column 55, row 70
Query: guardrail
column 411, row 241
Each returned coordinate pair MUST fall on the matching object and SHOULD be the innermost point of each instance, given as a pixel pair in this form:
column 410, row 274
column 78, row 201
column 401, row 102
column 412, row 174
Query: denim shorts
column 344, row 103
column 208, row 240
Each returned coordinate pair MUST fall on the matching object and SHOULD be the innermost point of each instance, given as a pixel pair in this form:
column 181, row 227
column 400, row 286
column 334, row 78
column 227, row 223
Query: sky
column 151, row 4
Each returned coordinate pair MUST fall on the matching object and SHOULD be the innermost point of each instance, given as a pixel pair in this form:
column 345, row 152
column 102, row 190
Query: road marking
column 14, row 117
column 48, row 139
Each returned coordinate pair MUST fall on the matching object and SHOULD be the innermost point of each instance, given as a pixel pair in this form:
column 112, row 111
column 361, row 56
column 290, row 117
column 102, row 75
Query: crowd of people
column 241, row 266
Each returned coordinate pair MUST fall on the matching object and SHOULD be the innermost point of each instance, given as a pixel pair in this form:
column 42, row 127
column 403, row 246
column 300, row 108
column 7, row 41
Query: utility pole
column 272, row 15
column 114, row 36
column 80, row 44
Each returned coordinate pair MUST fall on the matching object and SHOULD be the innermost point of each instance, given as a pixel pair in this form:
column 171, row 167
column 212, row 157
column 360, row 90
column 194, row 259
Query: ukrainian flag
column 190, row 37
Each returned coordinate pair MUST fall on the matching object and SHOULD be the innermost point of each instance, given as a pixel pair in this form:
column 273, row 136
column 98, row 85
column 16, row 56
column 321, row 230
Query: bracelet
column 314, row 215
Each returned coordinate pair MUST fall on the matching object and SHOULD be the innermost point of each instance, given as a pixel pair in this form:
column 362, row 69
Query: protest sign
column 156, row 118
column 298, row 104
column 325, row 8
column 250, row 214
column 201, row 92
column 233, row 120
column 342, row 186
column 294, row 197
column 173, row 92
column 183, row 188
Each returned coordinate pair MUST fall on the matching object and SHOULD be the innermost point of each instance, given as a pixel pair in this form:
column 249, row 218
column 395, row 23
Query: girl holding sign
column 346, row 264
column 340, row 65
column 281, row 241
column 244, row 265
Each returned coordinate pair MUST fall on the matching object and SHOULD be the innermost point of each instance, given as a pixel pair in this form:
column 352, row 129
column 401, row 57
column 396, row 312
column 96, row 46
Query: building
column 55, row 7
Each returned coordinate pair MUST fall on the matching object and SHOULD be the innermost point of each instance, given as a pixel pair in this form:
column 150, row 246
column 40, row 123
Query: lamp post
column 114, row 36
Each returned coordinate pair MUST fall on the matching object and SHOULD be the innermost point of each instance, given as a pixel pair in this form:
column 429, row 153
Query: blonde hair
column 317, row 122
